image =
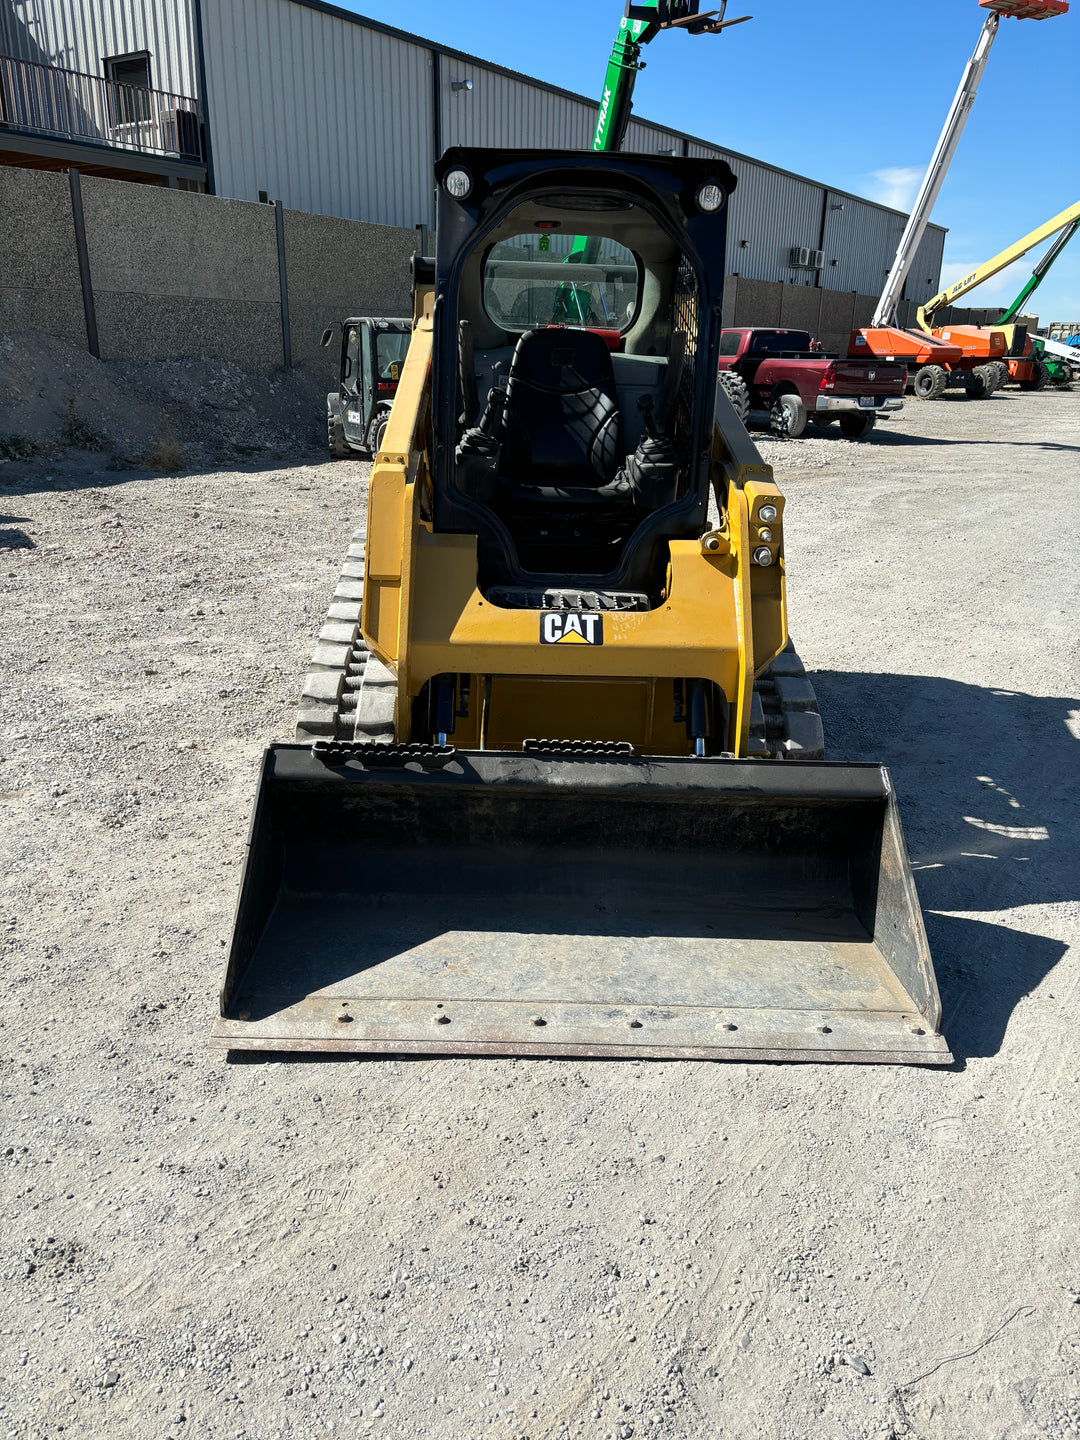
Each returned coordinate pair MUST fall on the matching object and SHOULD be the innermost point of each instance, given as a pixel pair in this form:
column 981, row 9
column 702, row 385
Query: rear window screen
column 526, row 286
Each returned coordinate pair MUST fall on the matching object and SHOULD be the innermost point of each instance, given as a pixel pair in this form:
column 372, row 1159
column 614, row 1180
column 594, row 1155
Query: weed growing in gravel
column 166, row 453
column 19, row 447
column 78, row 432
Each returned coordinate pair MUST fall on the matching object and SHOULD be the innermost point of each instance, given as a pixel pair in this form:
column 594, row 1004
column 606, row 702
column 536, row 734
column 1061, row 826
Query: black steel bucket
column 495, row 903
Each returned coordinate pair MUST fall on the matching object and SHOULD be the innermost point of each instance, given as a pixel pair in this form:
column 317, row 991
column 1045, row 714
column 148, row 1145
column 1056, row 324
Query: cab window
column 592, row 283
column 390, row 350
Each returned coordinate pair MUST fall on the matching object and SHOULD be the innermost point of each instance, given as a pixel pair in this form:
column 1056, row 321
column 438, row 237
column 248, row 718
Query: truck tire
column 854, row 426
column 339, row 447
column 378, row 430
column 787, row 418
column 735, row 388
column 930, row 382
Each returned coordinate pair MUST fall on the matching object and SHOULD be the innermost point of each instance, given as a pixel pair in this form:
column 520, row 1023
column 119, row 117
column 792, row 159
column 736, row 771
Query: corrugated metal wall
column 328, row 115
column 770, row 213
column 501, row 110
column 336, row 116
column 646, row 139
column 82, row 36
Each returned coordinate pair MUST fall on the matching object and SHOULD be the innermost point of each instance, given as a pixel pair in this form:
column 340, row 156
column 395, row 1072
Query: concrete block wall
column 175, row 273
column 338, row 268
column 39, row 268
column 757, row 302
column 829, row 315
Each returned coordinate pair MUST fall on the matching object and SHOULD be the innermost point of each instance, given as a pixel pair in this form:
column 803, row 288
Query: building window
column 129, row 77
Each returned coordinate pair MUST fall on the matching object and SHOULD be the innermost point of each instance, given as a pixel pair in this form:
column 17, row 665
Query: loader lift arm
column 1067, row 222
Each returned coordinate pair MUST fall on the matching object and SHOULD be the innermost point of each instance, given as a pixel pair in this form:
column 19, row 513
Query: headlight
column 458, row 184
column 763, row 555
column 709, row 198
column 767, row 513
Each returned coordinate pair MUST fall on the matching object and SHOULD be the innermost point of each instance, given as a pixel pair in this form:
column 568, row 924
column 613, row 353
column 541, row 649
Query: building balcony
column 46, row 102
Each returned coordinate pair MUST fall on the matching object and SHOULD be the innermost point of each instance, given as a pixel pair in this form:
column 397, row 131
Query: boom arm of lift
column 934, row 178
column 1068, row 219
column 1039, row 273
column 948, row 140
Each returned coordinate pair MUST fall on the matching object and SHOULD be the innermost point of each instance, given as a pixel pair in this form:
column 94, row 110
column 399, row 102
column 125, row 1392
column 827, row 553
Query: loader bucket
column 494, row 903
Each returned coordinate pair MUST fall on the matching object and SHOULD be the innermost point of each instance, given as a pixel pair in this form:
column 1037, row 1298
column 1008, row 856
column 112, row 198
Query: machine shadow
column 12, row 538
column 992, row 824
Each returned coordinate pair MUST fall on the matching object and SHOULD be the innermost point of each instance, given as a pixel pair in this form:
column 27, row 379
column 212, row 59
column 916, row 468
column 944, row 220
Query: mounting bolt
column 538, row 1020
column 634, row 1024
column 442, row 1019
column 825, row 1029
column 917, row 1030
column 729, row 1026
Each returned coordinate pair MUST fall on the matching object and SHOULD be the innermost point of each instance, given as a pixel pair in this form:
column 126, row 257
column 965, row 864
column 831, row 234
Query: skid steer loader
column 558, row 789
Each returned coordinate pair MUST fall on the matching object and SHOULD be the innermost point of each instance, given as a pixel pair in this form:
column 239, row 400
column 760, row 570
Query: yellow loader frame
column 723, row 617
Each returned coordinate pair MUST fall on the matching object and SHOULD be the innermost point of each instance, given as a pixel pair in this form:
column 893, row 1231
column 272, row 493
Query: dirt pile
column 56, row 399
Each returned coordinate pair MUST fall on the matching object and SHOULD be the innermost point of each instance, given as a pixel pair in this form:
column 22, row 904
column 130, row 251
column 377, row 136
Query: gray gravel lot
column 462, row 1248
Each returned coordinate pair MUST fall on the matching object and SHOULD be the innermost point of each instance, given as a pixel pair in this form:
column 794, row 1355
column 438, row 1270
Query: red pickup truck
column 781, row 372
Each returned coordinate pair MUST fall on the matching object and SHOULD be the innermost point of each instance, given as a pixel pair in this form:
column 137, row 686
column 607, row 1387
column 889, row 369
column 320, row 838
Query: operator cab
column 579, row 431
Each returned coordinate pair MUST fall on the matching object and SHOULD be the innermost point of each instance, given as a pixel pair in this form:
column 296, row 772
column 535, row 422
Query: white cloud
column 895, row 186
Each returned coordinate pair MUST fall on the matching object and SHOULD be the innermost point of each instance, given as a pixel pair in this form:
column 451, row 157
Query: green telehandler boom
column 1060, row 367
column 640, row 24
column 1039, row 273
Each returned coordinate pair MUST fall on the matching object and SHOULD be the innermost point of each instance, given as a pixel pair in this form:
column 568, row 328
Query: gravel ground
column 462, row 1248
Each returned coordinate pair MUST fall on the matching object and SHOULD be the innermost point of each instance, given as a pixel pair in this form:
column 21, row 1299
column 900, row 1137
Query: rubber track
column 349, row 695
column 784, row 717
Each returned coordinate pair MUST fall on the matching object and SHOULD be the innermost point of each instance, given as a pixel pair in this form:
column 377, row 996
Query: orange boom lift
column 934, row 362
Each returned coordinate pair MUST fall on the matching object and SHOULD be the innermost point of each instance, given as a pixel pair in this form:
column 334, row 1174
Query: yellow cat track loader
column 558, row 785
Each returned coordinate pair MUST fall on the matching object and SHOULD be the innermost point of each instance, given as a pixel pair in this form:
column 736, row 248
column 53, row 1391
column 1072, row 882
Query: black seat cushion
column 560, row 426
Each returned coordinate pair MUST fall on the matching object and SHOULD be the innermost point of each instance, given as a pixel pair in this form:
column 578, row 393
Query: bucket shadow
column 986, row 784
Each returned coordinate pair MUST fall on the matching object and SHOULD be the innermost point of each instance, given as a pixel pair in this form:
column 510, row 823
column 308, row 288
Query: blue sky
column 849, row 92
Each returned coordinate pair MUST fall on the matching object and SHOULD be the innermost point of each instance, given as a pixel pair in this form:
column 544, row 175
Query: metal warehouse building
column 331, row 113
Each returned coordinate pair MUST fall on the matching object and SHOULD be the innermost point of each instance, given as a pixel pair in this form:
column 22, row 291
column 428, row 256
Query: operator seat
column 559, row 442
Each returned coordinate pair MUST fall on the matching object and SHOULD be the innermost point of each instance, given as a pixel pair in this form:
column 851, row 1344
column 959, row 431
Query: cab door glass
column 367, row 377
column 352, row 358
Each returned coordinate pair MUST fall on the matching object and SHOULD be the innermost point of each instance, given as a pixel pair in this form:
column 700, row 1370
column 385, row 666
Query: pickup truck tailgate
column 866, row 377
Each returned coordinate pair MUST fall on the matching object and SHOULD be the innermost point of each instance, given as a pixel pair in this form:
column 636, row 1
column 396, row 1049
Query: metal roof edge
column 448, row 50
